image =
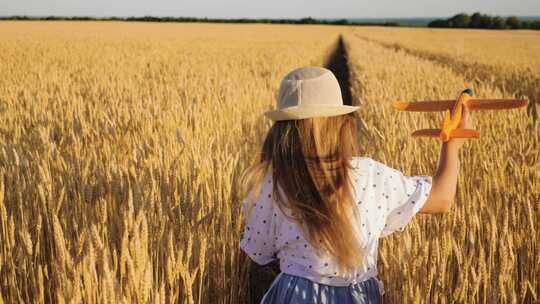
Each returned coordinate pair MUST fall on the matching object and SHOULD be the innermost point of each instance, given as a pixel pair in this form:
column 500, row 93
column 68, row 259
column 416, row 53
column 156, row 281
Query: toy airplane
column 452, row 115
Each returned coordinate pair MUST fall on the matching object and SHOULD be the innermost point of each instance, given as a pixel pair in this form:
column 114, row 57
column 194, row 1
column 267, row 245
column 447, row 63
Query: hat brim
column 305, row 111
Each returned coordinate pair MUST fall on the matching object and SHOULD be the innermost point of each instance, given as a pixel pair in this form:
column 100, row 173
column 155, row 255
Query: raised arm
column 444, row 185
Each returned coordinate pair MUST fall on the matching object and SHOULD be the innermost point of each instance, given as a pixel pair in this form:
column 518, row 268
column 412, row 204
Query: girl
column 320, row 209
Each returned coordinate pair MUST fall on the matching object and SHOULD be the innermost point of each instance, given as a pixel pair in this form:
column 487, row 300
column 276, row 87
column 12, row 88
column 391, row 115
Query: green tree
column 476, row 19
column 486, row 21
column 498, row 23
column 460, row 20
column 513, row 22
column 439, row 23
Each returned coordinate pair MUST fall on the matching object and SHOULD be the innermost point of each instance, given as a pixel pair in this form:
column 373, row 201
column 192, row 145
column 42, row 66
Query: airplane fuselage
column 453, row 117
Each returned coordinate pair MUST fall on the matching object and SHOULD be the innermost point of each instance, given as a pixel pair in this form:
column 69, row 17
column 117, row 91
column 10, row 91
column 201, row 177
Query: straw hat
column 309, row 92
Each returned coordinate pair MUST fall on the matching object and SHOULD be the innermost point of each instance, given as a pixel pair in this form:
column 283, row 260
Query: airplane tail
column 456, row 133
column 427, row 132
column 464, row 133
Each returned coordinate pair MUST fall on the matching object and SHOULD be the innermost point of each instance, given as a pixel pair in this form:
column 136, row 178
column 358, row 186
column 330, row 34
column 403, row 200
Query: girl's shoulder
column 364, row 164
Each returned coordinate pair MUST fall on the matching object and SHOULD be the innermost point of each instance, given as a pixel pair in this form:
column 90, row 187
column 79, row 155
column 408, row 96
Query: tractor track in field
column 520, row 83
column 337, row 62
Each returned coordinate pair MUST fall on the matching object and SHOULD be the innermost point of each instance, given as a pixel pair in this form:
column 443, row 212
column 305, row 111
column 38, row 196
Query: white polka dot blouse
column 387, row 202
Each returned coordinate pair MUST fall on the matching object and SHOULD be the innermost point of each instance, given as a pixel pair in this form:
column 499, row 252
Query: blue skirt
column 287, row 288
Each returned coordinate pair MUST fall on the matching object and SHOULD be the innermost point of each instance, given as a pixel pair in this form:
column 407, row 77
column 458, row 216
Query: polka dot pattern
column 387, row 200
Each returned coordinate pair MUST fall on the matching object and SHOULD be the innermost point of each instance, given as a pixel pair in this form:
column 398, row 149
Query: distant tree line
column 308, row 20
column 483, row 21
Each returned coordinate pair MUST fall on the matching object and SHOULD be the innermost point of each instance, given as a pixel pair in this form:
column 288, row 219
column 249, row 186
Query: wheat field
column 505, row 59
column 121, row 145
column 486, row 249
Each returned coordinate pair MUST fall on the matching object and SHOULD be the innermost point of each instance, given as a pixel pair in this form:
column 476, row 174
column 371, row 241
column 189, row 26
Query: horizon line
column 252, row 18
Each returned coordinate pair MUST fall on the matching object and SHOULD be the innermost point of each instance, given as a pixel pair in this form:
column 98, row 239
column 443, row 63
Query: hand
column 464, row 123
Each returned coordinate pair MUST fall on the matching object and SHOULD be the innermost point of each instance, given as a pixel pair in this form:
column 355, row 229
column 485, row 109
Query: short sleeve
column 258, row 238
column 403, row 196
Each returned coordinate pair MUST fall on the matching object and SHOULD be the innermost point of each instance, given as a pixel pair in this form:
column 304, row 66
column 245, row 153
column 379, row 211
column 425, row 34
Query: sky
column 268, row 8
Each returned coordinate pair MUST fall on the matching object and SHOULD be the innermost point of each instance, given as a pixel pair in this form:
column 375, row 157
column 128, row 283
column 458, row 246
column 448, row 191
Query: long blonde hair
column 309, row 159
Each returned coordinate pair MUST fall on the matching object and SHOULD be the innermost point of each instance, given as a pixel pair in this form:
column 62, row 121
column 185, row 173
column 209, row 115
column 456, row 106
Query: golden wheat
column 468, row 255
column 501, row 48
column 506, row 59
column 121, row 145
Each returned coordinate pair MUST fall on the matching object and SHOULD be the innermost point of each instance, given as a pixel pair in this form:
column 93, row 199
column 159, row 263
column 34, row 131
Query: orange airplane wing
column 495, row 104
column 425, row 106
column 456, row 133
